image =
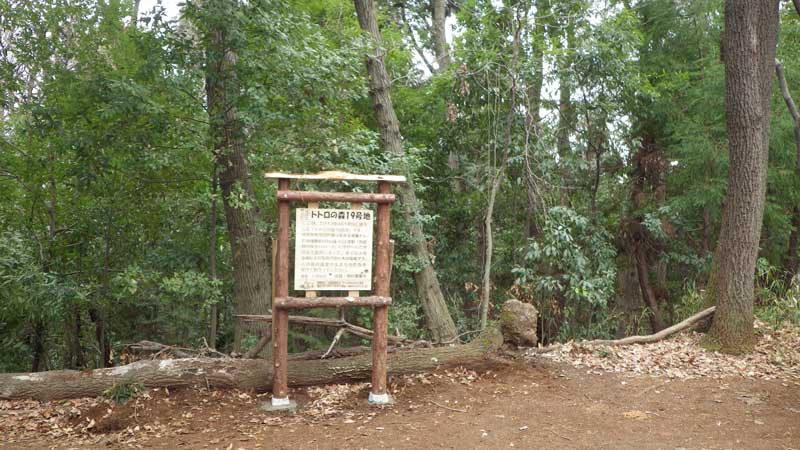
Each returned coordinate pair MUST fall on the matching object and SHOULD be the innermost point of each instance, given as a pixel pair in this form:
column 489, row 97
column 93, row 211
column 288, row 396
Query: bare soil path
column 540, row 405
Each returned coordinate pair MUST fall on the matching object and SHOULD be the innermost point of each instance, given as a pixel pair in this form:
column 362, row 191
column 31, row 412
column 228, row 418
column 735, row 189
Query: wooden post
column 380, row 315
column 280, row 325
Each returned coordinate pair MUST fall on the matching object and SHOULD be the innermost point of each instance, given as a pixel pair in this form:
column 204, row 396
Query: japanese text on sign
column 333, row 250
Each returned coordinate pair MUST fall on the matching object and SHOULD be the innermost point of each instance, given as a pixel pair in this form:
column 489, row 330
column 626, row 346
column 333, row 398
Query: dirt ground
column 533, row 405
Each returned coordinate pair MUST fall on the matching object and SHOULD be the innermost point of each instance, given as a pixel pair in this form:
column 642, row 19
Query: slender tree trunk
column 749, row 40
column 791, row 257
column 440, row 46
column 73, row 353
column 791, row 265
column 565, row 112
column 497, row 179
column 97, row 312
column 486, row 286
column 705, row 243
column 251, row 277
column 36, row 340
column 437, row 316
column 413, row 38
column 656, row 322
column 212, row 260
column 533, row 118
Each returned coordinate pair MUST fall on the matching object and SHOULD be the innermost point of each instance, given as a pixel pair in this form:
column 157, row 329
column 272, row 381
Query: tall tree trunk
column 429, row 291
column 497, row 179
column 251, row 277
column 440, row 46
column 212, row 260
column 749, row 40
column 791, row 256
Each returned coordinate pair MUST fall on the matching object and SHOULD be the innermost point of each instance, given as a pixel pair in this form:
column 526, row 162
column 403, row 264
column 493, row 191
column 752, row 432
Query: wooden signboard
column 333, row 252
column 333, row 249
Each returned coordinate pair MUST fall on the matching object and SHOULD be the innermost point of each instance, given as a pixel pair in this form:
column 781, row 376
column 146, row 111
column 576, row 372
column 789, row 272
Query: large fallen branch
column 690, row 322
column 663, row 334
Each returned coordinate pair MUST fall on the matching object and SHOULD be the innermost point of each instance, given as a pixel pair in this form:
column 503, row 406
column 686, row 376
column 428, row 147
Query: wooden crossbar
column 352, row 197
column 329, row 302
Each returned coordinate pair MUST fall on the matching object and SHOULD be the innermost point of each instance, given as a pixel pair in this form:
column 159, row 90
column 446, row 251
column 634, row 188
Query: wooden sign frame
column 379, row 301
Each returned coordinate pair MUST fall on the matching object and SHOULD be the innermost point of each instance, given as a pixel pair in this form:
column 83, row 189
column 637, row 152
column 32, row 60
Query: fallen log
column 245, row 374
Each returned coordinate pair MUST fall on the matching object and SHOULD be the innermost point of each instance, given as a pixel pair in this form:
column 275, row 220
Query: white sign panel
column 333, row 250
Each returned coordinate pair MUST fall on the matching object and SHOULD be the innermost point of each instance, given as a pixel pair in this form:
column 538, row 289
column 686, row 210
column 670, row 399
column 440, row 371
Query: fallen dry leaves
column 776, row 356
column 157, row 413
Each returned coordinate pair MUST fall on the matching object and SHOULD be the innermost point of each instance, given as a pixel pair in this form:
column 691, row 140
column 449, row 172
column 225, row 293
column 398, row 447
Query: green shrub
column 121, row 393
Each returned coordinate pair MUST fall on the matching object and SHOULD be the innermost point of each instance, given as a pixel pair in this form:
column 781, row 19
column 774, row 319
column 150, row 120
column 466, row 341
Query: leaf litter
column 156, row 413
column 776, row 357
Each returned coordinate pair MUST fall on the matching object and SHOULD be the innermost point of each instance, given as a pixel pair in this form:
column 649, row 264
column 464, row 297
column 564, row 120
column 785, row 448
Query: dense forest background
column 570, row 154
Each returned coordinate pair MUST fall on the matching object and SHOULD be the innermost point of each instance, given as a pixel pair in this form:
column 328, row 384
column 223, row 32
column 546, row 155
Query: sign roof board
column 336, row 175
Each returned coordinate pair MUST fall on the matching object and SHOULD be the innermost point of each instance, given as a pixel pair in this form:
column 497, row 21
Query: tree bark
column 749, row 39
column 439, row 32
column 212, row 260
column 251, row 277
column 791, row 256
column 438, row 319
column 245, row 374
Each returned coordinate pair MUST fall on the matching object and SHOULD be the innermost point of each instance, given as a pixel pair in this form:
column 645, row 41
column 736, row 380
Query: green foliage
column 573, row 259
column 777, row 301
column 569, row 275
column 121, row 393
